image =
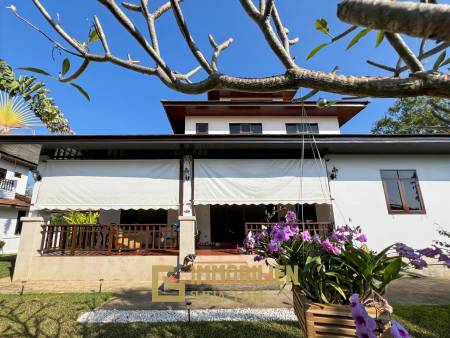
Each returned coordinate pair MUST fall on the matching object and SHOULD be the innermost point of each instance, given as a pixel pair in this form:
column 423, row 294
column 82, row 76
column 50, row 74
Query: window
column 402, row 192
column 201, row 128
column 302, row 128
column 17, row 175
column 245, row 128
column 2, row 173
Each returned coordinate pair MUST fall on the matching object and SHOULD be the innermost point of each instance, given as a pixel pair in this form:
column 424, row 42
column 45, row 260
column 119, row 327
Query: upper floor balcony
column 7, row 188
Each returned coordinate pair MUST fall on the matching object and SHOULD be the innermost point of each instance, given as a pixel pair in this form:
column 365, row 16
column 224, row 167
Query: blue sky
column 125, row 102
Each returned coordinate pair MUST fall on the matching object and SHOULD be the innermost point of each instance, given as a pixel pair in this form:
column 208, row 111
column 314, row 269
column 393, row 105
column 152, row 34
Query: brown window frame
column 403, row 195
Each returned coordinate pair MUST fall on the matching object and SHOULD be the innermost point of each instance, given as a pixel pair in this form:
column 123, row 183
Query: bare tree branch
column 281, row 30
column 266, row 29
column 55, row 43
column 423, row 20
column 188, row 37
column 217, row 50
column 404, row 51
column 101, row 35
column 150, row 25
column 379, row 65
column 132, row 29
column 418, row 83
column 75, row 44
column 398, row 69
column 268, row 10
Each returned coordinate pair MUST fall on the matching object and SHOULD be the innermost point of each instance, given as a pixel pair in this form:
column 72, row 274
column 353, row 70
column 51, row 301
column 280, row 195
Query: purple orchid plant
column 335, row 266
column 366, row 326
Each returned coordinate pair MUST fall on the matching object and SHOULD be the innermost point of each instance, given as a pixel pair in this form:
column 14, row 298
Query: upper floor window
column 302, row 128
column 2, row 173
column 402, row 192
column 245, row 128
column 17, row 175
column 201, row 128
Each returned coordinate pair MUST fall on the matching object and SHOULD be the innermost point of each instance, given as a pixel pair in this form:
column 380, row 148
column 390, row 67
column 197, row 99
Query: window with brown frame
column 402, row 192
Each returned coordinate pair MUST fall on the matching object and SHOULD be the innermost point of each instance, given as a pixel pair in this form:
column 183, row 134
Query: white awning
column 122, row 184
column 268, row 181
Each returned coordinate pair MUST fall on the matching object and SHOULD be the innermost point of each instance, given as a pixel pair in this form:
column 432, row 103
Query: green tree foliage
column 413, row 115
column 35, row 95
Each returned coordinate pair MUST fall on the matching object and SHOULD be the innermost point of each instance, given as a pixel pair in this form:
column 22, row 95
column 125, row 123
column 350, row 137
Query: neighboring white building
column 233, row 160
column 13, row 202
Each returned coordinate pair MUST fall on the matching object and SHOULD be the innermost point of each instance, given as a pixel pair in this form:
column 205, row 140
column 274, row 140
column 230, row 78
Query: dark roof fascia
column 258, row 103
column 180, row 138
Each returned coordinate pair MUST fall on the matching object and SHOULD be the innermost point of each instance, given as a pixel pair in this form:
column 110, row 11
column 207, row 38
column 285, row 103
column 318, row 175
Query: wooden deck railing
column 321, row 228
column 107, row 240
column 8, row 185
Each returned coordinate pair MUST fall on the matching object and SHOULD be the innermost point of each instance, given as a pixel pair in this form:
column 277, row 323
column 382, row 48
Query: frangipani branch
column 267, row 17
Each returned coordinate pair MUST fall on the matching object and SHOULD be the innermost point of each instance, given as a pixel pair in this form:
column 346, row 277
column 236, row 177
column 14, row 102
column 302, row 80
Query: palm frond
column 15, row 113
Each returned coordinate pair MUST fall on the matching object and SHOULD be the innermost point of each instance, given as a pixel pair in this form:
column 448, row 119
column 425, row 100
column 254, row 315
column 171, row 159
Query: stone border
column 165, row 316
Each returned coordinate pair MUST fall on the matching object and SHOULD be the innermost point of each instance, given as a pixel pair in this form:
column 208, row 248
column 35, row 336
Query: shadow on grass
column 9, row 261
column 45, row 315
column 195, row 329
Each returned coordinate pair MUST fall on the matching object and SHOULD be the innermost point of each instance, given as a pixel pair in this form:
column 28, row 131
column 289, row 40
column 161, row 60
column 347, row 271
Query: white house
column 232, row 161
column 13, row 202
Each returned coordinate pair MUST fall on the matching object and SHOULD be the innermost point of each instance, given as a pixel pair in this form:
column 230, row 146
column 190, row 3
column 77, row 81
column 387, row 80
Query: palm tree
column 24, row 101
column 15, row 114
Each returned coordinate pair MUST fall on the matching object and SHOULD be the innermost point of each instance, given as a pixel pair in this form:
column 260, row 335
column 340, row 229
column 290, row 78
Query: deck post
column 29, row 245
column 187, row 237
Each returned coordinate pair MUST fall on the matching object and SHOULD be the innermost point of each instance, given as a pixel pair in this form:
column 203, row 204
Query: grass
column 54, row 315
column 425, row 321
column 6, row 265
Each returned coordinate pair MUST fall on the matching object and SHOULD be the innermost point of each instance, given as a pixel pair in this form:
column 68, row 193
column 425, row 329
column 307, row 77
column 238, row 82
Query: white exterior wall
column 8, row 221
column 270, row 124
column 358, row 195
column 11, row 169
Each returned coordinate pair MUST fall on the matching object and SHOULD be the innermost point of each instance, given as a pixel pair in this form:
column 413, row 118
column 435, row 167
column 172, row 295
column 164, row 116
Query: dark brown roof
column 285, row 95
column 178, row 110
column 20, row 201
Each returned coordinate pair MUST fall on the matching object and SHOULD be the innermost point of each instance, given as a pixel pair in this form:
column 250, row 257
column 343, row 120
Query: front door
column 227, row 224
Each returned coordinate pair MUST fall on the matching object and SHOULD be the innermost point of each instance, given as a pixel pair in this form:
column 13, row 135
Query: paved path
column 137, row 295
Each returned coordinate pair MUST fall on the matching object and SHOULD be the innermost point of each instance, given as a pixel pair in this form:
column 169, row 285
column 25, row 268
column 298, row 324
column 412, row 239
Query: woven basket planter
column 325, row 320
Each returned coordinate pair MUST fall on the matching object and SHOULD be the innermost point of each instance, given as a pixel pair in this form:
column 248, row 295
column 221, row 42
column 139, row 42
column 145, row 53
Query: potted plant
column 334, row 274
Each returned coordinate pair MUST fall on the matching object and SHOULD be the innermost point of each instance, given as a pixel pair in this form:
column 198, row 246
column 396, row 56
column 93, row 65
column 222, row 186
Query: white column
column 187, row 237
column 187, row 186
column 30, row 243
column 187, row 220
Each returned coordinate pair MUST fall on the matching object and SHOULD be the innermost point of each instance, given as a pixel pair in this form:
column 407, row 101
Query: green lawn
column 6, row 265
column 54, row 315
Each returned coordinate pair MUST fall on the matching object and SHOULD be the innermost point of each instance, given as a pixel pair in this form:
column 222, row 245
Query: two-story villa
column 13, row 202
column 235, row 163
